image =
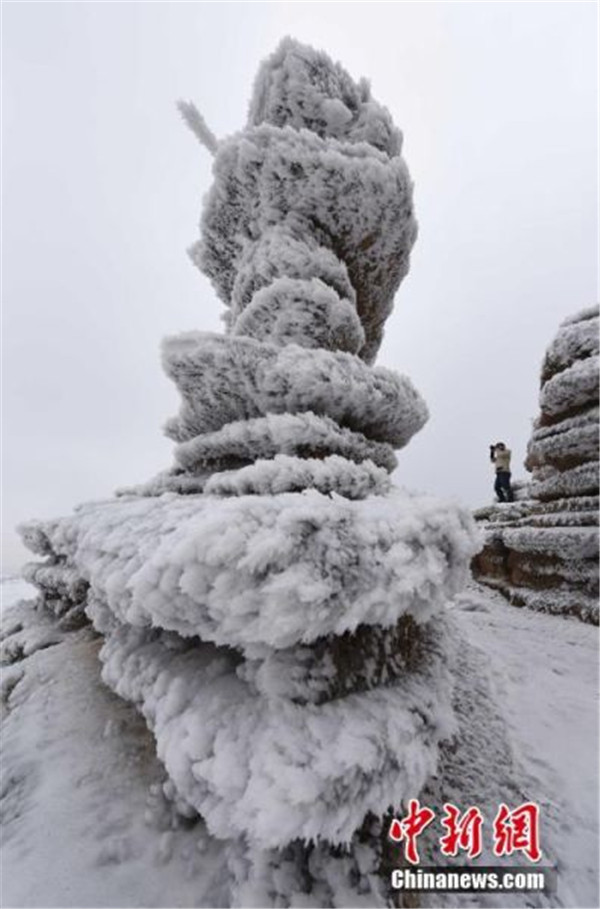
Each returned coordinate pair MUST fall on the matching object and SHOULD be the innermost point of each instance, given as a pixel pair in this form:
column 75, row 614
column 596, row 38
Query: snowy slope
column 85, row 822
column 543, row 673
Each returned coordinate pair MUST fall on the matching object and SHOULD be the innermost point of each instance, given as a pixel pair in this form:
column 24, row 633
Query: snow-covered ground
column 86, row 822
column 12, row 590
column 543, row 671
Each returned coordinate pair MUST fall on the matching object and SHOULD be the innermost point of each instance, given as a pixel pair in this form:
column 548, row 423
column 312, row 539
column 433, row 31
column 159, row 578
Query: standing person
column 500, row 457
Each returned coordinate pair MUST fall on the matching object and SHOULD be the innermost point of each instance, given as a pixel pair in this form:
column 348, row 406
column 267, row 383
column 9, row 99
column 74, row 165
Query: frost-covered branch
column 196, row 122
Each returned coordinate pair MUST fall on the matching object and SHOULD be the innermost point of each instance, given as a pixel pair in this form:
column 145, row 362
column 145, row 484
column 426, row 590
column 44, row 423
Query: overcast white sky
column 102, row 189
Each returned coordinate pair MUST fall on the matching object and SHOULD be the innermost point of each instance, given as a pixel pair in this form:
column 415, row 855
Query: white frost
column 303, row 435
column 286, row 474
column 278, row 570
column 224, row 379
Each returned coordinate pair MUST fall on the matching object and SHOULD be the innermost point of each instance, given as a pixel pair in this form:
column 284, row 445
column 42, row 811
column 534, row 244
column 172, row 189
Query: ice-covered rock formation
column 272, row 605
column 542, row 551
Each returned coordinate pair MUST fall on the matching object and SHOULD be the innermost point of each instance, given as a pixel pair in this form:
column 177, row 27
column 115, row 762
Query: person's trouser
column 502, row 486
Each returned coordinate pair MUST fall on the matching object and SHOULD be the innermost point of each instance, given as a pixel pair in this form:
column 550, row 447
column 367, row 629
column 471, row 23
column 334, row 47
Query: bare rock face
column 542, row 551
column 272, row 604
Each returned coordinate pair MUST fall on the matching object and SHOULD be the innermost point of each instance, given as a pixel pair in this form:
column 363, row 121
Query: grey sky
column 102, row 189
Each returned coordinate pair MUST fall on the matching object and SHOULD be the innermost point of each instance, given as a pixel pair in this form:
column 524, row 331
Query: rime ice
column 542, row 551
column 272, row 606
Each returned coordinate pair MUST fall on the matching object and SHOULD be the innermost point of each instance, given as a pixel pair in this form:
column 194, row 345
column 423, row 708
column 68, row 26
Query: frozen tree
column 272, row 604
column 542, row 552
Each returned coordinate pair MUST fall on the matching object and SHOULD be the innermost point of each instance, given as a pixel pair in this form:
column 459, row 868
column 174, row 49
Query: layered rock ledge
column 542, row 551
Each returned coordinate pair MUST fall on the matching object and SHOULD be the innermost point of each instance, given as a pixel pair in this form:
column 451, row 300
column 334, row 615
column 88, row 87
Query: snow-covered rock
column 224, row 379
column 269, row 768
column 313, row 187
column 266, row 570
column 305, row 435
column 89, row 816
column 543, row 552
column 271, row 605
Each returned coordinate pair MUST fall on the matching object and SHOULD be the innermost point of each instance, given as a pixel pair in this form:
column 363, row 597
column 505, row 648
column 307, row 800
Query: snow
column 85, row 821
column 566, row 443
column 579, row 481
column 582, row 315
column 86, row 756
column 281, row 473
column 575, row 386
column 279, row 255
column 304, row 435
column 304, row 312
column 272, row 606
column 286, row 474
column 577, row 511
column 577, row 339
column 272, row 570
column 14, row 589
column 270, row 769
column 544, row 679
column 195, row 121
column 568, row 543
column 301, row 87
column 172, row 480
column 543, row 552
column 224, row 379
column 64, row 588
column 269, row 176
column 558, row 601
column 314, row 187
column 563, row 519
